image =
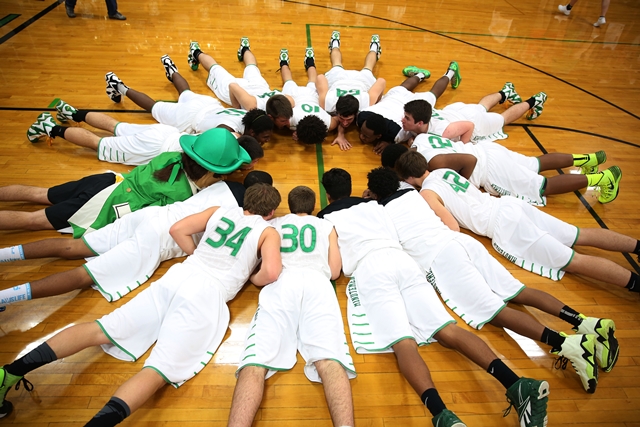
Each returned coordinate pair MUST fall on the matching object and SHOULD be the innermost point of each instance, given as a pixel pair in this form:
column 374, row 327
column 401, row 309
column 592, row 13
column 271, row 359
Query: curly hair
column 257, row 121
column 383, row 182
column 311, row 130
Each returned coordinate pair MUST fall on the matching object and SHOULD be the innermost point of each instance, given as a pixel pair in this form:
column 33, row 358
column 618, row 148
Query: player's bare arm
column 435, row 202
column 375, row 93
column 464, row 164
column 341, row 140
column 322, row 86
column 462, row 130
column 240, row 98
column 271, row 265
column 183, row 230
column 335, row 260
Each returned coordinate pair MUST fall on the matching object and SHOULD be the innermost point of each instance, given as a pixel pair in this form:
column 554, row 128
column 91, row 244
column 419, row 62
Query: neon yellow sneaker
column 7, row 381
column 607, row 348
column 590, row 165
column 610, row 184
column 412, row 70
column 580, row 350
column 457, row 78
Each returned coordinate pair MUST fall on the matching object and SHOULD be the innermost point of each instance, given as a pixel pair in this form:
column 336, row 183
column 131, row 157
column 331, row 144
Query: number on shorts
column 457, row 185
column 354, row 92
column 437, row 142
column 234, row 242
column 232, row 112
column 310, row 108
column 268, row 94
column 299, row 238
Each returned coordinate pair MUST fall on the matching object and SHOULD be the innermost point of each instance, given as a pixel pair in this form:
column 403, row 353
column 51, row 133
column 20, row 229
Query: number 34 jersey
column 228, row 251
column 305, row 242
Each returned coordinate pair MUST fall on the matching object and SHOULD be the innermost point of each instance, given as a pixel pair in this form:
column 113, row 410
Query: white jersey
column 305, row 242
column 306, row 103
column 231, row 117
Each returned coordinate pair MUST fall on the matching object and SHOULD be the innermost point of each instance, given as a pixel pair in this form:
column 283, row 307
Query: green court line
column 10, row 17
column 53, row 103
column 320, row 164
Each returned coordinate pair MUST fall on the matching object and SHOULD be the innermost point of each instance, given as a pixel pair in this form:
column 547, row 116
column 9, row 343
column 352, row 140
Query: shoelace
column 508, row 410
column 26, row 383
column 561, row 363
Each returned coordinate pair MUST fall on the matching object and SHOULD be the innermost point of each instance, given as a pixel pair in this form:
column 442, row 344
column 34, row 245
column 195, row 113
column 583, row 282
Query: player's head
column 372, row 128
column 280, row 110
column 255, row 177
column 416, row 114
column 337, row 183
column 302, row 200
column 411, row 165
column 311, row 130
column 391, row 154
column 258, row 125
column 383, row 182
column 253, row 147
column 261, row 199
column 347, row 107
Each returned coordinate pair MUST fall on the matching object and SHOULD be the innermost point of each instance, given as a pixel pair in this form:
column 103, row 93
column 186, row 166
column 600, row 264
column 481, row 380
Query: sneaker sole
column 609, row 328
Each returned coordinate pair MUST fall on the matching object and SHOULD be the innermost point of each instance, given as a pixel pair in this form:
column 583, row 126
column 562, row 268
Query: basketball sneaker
column 529, row 397
column 65, row 111
column 284, row 57
column 244, row 46
column 309, row 58
column 112, row 86
column 457, row 78
column 535, row 112
column 447, row 418
column 42, row 127
column 374, row 46
column 600, row 22
column 590, row 166
column 510, row 93
column 6, row 382
column 191, row 59
column 562, row 8
column 412, row 70
column 169, row 67
column 607, row 348
column 334, row 41
column 580, row 350
column 610, row 184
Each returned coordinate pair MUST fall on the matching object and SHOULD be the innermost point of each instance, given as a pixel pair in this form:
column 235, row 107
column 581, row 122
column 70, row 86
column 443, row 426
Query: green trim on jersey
column 576, row 239
column 452, row 321
column 538, row 164
column 570, row 259
column 163, row 375
column 268, row 368
column 89, row 246
column 516, row 294
column 481, row 324
column 95, row 282
column 104, row 331
column 98, row 150
column 543, row 186
column 346, row 368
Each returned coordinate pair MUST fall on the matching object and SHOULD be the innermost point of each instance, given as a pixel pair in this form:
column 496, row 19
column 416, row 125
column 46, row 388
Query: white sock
column 335, row 44
column 421, row 76
column 13, row 253
column 449, row 74
column 15, row 294
column 373, row 47
column 122, row 89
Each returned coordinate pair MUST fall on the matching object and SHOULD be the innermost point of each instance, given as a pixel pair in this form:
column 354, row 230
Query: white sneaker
column 601, row 21
column 562, row 8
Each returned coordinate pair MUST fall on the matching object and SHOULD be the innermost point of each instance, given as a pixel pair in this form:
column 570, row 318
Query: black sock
column 309, row 62
column 502, row 373
column 80, row 116
column 196, row 53
column 431, row 399
column 569, row 7
column 57, row 131
column 37, row 357
column 114, row 412
column 503, row 97
column 531, row 101
column 633, row 284
column 552, row 338
column 569, row 315
column 637, row 249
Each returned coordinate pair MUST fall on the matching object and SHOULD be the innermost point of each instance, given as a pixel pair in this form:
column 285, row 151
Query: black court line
column 469, row 44
column 582, row 132
column 29, row 22
column 593, row 213
column 53, row 109
column 4, row 21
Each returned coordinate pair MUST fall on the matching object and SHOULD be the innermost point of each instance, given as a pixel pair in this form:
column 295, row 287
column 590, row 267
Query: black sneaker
column 309, row 58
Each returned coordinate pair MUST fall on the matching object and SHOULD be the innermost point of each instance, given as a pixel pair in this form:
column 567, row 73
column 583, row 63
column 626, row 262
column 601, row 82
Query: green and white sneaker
column 6, row 382
column 610, row 184
column 244, row 46
column 65, row 111
column 334, row 40
column 457, row 78
column 42, row 127
column 169, row 67
column 447, row 418
column 284, row 57
column 529, row 397
column 607, row 349
column 535, row 112
column 580, row 350
column 375, row 44
column 412, row 70
column 510, row 92
column 193, row 62
column 590, row 166
column 309, row 58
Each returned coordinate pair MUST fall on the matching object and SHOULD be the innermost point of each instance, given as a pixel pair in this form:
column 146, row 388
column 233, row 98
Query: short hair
column 255, row 177
column 391, row 154
column 383, row 182
column 337, row 183
column 257, row 121
column 302, row 200
column 279, row 106
column 347, row 105
column 261, row 199
column 252, row 146
column 419, row 109
column 311, row 130
column 411, row 165
column 376, row 123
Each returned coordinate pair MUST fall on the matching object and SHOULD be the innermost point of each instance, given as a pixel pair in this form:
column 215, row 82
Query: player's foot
column 42, row 127
column 191, row 59
column 334, row 41
column 309, row 58
column 607, row 348
column 580, row 350
column 510, row 93
column 447, row 418
column 591, row 165
column 169, row 67
column 284, row 57
column 70, row 11
column 374, row 45
column 118, row 16
column 562, row 8
column 529, row 397
column 6, row 382
column 610, row 184
column 600, row 22
column 535, row 112
column 112, row 86
column 244, row 46
column 412, row 70
column 65, row 111
column 457, row 78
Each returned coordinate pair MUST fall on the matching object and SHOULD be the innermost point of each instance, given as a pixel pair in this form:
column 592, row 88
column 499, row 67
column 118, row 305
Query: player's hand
column 342, row 143
column 380, row 146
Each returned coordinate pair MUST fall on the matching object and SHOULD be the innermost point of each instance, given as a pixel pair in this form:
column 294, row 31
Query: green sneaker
column 193, row 62
column 591, row 161
column 42, row 127
column 610, row 184
column 244, row 46
column 6, row 382
column 529, row 397
column 65, row 111
column 607, row 348
column 580, row 350
column 457, row 78
column 309, row 58
column 375, row 44
column 335, row 39
column 510, row 92
column 412, row 70
column 447, row 418
column 284, row 57
column 535, row 112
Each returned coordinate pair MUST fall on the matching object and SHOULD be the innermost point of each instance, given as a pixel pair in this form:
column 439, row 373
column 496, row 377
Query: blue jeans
column 112, row 5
